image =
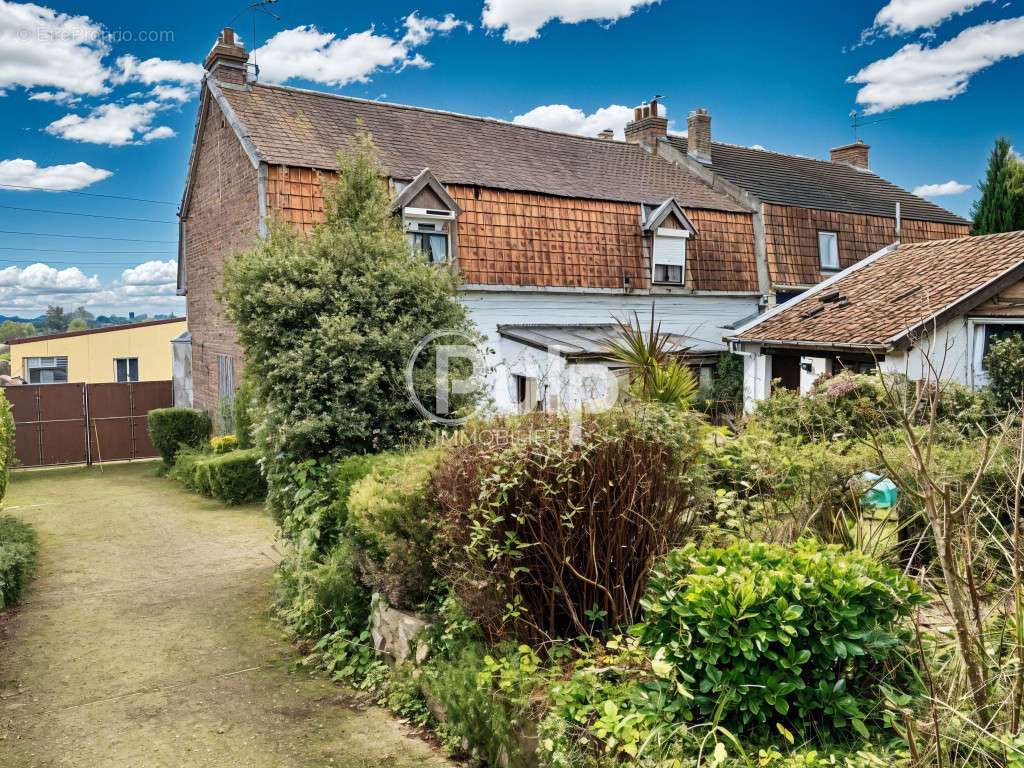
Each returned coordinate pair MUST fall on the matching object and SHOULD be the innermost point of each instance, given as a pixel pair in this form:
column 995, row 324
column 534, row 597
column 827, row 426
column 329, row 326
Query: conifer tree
column 994, row 210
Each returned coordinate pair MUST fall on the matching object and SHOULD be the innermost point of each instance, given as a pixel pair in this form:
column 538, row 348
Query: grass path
column 145, row 640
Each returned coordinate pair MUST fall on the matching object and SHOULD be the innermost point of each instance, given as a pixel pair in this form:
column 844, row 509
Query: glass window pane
column 133, row 369
column 828, row 248
column 438, row 248
column 122, row 369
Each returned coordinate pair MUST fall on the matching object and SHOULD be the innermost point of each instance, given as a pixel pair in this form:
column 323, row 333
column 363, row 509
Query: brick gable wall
column 222, row 217
column 791, row 239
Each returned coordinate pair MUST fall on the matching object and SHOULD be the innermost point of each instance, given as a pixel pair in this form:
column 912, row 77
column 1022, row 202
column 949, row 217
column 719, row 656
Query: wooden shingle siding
column 295, row 193
column 721, row 257
column 791, row 239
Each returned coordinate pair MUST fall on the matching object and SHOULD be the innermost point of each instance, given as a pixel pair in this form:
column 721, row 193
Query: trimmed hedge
column 18, row 547
column 6, row 443
column 232, row 477
column 172, row 428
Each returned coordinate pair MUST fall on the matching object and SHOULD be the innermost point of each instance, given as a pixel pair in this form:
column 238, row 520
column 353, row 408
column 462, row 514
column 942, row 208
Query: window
column 428, row 233
column 828, row 250
column 669, row 260
column 46, row 370
column 527, row 394
column 126, row 369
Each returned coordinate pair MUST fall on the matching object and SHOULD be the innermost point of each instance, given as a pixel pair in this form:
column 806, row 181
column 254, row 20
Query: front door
column 786, row 370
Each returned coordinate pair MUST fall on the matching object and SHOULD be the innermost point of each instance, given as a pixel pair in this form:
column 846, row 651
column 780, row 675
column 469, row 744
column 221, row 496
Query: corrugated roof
column 810, row 183
column 584, row 340
column 291, row 126
column 893, row 292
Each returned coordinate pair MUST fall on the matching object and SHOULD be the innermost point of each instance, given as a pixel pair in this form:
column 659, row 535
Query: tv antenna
column 860, row 122
column 257, row 7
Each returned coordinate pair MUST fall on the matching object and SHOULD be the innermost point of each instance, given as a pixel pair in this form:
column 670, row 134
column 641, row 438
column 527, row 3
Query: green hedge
column 171, row 428
column 6, row 443
column 18, row 548
column 231, row 477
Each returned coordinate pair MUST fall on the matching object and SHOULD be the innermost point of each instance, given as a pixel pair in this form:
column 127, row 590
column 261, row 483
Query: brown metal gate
column 84, row 423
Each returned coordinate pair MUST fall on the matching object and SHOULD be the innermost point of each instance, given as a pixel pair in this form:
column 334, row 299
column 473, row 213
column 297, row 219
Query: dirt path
column 145, row 640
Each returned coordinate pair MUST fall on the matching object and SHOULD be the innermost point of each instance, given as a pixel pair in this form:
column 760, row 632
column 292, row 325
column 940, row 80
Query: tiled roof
column 290, row 126
column 810, row 183
column 881, row 298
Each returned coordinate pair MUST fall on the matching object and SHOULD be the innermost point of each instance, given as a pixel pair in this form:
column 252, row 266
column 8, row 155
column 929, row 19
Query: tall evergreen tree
column 993, row 211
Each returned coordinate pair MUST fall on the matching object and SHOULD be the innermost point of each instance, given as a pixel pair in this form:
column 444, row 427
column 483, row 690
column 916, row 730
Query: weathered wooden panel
column 1007, row 303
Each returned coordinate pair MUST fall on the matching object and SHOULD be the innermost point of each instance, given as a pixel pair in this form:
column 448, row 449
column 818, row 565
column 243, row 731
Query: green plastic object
column 882, row 492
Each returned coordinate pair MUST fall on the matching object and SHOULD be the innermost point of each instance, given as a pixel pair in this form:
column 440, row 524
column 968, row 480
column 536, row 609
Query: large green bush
column 1004, row 364
column 6, row 444
column 232, row 477
column 329, row 319
column 550, row 531
column 172, row 428
column 245, row 414
column 762, row 633
column 18, row 547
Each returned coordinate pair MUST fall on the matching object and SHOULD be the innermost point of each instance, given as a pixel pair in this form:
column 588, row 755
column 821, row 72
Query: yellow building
column 136, row 352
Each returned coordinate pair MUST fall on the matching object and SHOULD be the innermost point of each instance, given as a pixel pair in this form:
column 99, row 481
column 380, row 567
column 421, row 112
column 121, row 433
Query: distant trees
column 55, row 320
column 1001, row 205
column 12, row 329
column 78, row 324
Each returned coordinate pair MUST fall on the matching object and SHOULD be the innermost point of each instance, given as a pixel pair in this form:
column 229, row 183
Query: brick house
column 554, row 234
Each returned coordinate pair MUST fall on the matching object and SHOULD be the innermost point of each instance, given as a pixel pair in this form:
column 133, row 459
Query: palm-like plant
column 653, row 361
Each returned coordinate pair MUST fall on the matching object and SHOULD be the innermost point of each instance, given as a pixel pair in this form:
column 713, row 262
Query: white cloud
column 40, row 47
column 938, row 190
column 151, row 273
column 323, row 57
column 916, row 74
column 521, row 20
column 562, row 117
column 178, row 93
column 111, row 124
column 161, row 132
column 57, row 97
column 150, row 71
column 899, row 17
column 25, row 173
column 148, row 287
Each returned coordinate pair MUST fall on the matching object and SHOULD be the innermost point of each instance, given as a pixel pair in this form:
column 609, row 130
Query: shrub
column 6, row 444
column 390, row 522
column 551, row 533
column 172, row 428
column 764, row 634
column 1004, row 364
column 224, row 443
column 231, row 477
column 18, row 547
column 328, row 320
column 245, row 414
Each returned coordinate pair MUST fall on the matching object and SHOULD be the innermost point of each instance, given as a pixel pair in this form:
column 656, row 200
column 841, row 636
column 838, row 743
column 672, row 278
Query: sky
column 98, row 100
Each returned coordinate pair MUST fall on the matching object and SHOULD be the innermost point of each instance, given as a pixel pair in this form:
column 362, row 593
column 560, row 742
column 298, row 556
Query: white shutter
column 670, row 247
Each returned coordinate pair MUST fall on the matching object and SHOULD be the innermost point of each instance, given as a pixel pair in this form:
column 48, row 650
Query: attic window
column 428, row 232
column 668, row 264
column 828, row 250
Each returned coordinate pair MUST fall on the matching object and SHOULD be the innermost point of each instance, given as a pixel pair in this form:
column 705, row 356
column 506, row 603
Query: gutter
column 829, row 345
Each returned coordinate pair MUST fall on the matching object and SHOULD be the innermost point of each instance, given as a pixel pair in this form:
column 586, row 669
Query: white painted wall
column 819, row 365
column 700, row 317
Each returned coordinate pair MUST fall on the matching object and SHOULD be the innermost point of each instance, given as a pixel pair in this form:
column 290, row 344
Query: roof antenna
column 859, row 122
column 257, row 7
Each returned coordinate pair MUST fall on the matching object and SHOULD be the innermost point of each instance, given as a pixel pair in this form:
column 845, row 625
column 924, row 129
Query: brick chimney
column 227, row 59
column 647, row 126
column 607, row 133
column 698, row 135
column 854, row 154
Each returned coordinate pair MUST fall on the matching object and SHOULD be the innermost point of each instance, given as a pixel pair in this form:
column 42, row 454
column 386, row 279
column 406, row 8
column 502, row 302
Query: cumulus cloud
column 112, row 124
column 562, row 117
column 25, row 173
column 148, row 287
column 179, row 93
column 521, row 20
column 161, row 132
column 40, row 47
column 57, row 97
column 899, row 17
column 150, row 71
column 916, row 73
column 938, row 190
column 323, row 57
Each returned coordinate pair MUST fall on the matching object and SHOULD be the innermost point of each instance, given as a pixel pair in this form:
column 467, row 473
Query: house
column 926, row 310
column 545, row 227
column 136, row 352
column 812, row 217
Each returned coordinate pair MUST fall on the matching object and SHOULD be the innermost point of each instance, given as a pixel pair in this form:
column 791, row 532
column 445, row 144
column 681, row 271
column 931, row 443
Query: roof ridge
column 450, row 113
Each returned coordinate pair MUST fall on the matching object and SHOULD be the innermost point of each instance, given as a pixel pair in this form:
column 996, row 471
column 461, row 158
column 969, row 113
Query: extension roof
column 883, row 301
column 806, row 182
column 296, row 127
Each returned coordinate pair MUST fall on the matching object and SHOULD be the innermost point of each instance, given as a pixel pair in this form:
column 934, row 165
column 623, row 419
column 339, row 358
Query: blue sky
column 100, row 99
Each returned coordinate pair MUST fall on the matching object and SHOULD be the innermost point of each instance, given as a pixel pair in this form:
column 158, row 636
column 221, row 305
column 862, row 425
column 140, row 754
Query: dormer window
column 669, row 259
column 828, row 250
column 428, row 232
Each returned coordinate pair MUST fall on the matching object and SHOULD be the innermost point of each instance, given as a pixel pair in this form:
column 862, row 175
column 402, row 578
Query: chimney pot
column 698, row 135
column 607, row 133
column 228, row 59
column 855, row 154
column 647, row 126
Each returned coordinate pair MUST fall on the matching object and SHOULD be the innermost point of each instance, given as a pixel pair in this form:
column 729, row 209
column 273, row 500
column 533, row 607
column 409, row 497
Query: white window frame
column 413, row 217
column 833, row 251
column 663, row 233
column 54, row 366
column 127, row 368
column 976, row 343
